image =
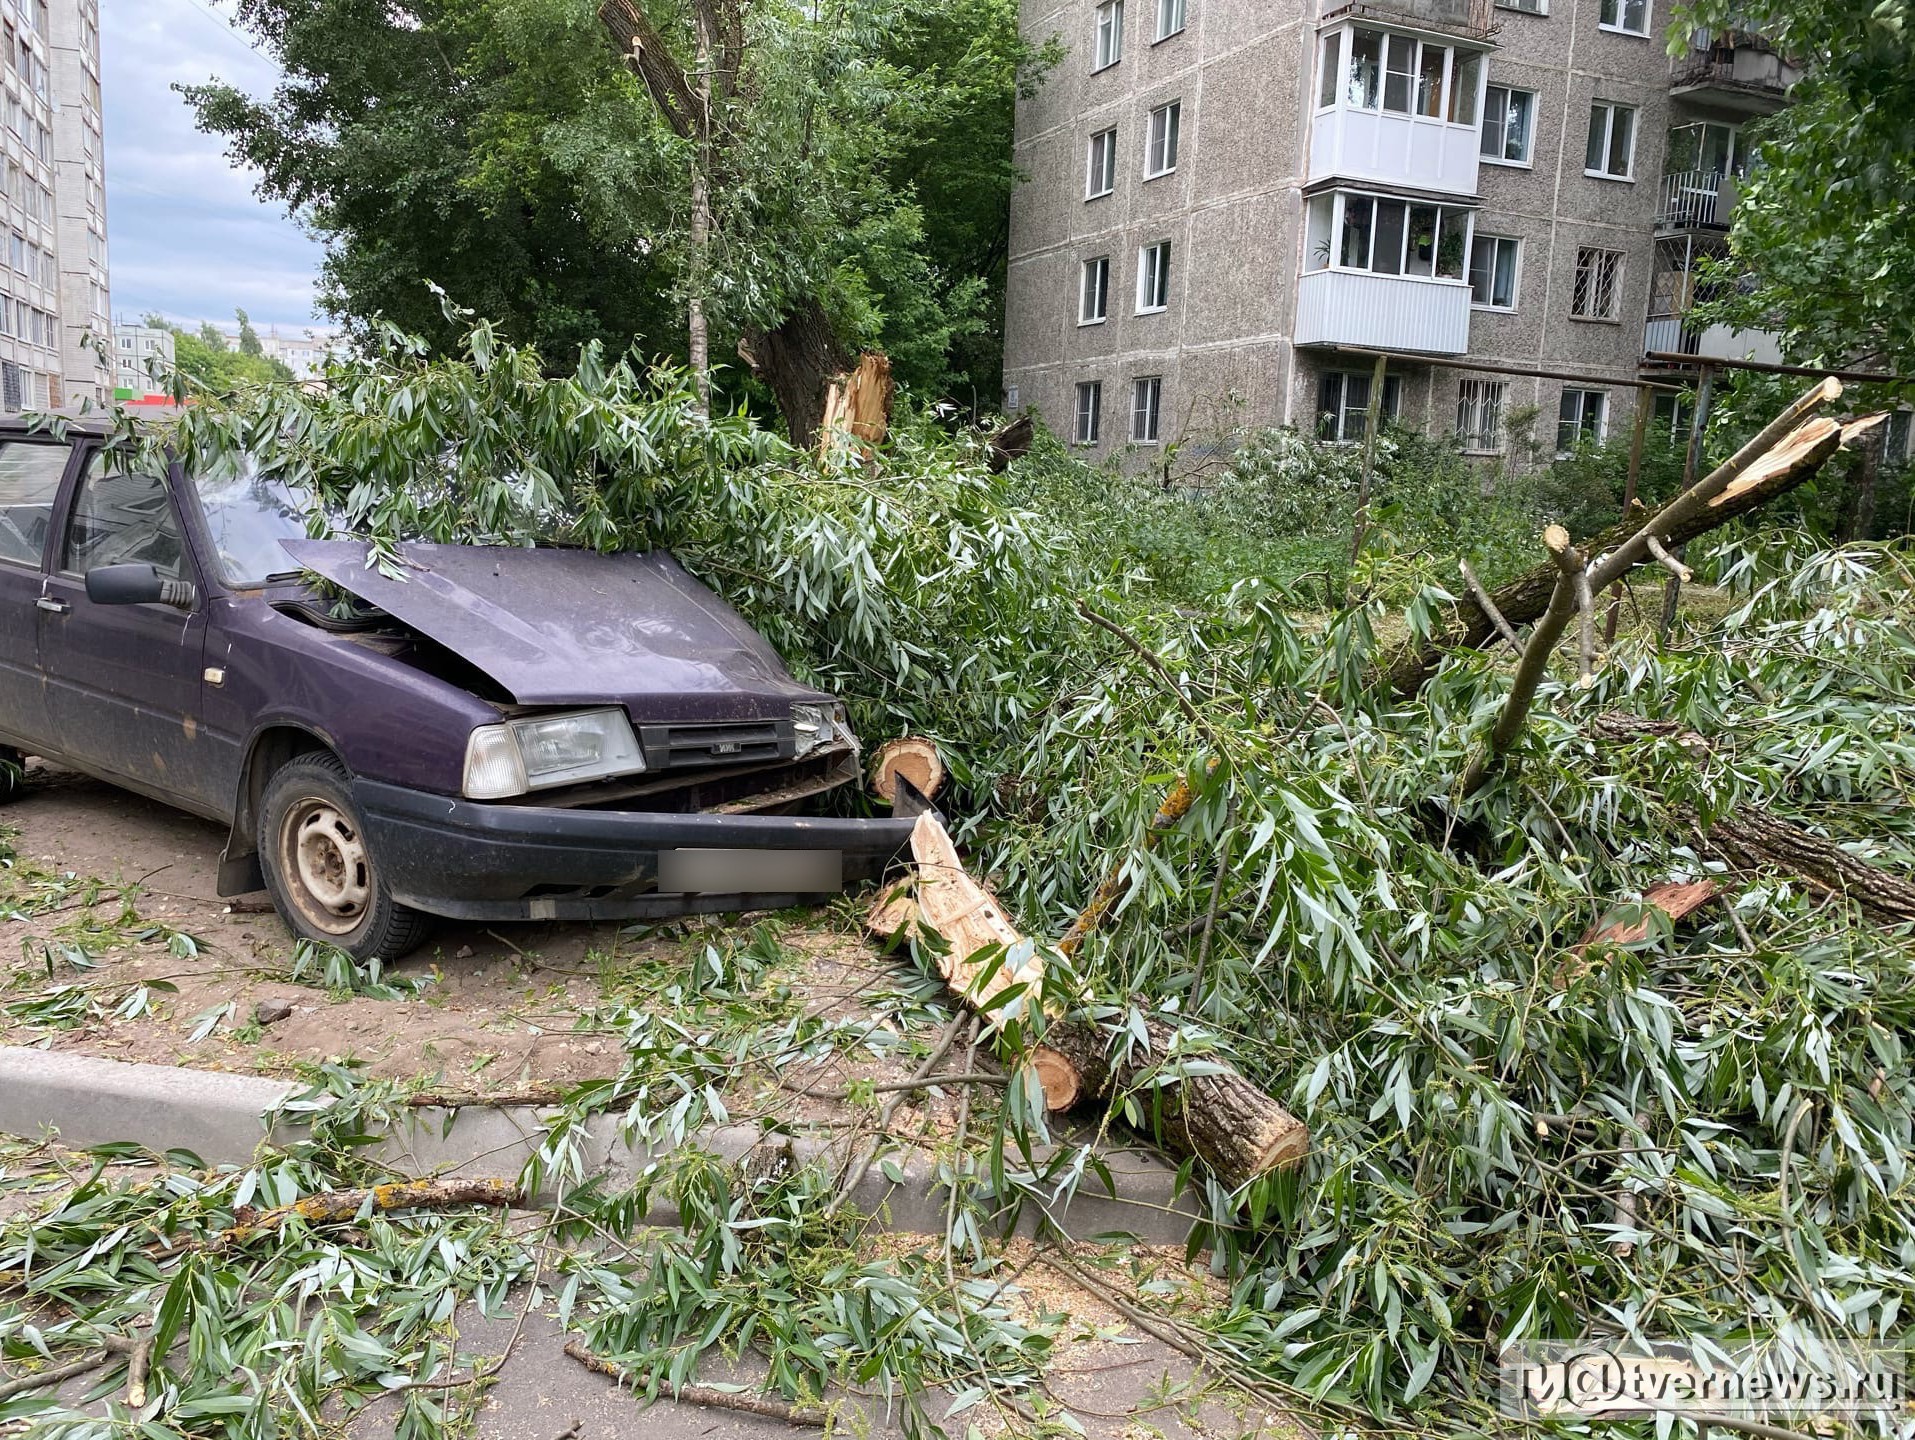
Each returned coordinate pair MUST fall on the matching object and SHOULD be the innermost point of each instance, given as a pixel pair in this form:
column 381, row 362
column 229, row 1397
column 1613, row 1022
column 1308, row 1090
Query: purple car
column 504, row 734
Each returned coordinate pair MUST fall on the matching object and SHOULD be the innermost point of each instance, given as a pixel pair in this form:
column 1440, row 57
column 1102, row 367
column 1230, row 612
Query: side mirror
column 138, row 585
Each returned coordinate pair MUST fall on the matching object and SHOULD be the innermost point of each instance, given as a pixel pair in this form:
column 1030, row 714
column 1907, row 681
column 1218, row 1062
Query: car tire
column 320, row 869
column 13, row 774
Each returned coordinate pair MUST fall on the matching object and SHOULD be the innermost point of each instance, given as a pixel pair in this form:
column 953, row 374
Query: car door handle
column 52, row 605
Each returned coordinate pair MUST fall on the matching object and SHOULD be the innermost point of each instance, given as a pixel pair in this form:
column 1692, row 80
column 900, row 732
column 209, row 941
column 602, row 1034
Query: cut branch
column 773, row 1407
column 1669, row 562
column 1488, row 605
column 335, row 1206
column 1789, row 452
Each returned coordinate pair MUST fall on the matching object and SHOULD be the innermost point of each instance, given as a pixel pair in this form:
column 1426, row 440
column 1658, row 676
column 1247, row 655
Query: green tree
column 853, row 174
column 202, row 363
column 248, row 337
column 1823, row 241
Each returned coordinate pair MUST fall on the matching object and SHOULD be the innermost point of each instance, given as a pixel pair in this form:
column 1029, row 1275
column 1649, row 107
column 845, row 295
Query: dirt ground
column 501, row 1012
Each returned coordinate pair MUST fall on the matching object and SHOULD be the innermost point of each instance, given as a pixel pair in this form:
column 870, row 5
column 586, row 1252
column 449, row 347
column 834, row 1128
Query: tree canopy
column 1823, row 243
column 502, row 149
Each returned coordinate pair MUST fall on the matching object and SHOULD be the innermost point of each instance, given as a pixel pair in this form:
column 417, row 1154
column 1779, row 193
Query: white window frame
column 1170, row 19
column 1528, row 159
column 1147, row 414
column 1083, row 433
column 1153, row 277
column 1353, row 420
column 1616, row 262
column 1609, row 110
column 1581, row 419
column 1103, row 146
column 1108, row 47
column 1525, row 7
column 1336, row 52
column 1479, row 415
column 1093, row 291
column 1619, row 26
column 1515, row 272
column 1339, row 212
column 1162, row 136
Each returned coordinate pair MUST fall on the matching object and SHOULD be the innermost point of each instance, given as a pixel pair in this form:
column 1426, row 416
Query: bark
column 773, row 1407
column 1752, row 840
column 1224, row 1120
column 1235, row 1128
column 1745, row 483
column 1013, row 442
column 698, row 333
column 334, row 1206
column 1176, row 804
column 797, row 359
column 1859, row 523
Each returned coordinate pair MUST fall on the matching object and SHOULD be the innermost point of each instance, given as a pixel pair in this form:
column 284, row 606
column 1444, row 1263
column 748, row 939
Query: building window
column 1479, row 415
column 1631, row 17
column 1170, row 18
column 1528, row 7
column 1146, row 403
column 1390, row 237
column 1401, row 75
column 1093, row 292
column 1598, row 293
column 1153, row 278
column 1583, row 415
column 1612, row 141
column 1492, row 271
column 1090, row 411
column 1343, row 403
column 1160, row 152
column 1110, row 34
column 1100, row 170
column 1508, row 124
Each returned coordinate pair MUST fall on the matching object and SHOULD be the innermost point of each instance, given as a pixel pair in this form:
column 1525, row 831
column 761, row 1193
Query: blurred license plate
column 751, row 872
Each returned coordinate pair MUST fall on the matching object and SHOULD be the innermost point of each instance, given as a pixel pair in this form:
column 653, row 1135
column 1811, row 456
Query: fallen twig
column 1158, row 669
column 110, row 1345
column 710, row 1396
column 336, row 1205
column 892, row 1087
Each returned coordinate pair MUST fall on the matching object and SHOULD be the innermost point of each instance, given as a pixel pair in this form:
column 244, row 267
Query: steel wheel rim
column 326, row 865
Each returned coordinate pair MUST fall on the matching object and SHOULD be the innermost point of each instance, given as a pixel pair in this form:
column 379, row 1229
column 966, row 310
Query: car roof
column 84, row 422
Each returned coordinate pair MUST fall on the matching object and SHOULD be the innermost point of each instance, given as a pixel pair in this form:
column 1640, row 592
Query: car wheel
column 320, row 868
column 13, row 774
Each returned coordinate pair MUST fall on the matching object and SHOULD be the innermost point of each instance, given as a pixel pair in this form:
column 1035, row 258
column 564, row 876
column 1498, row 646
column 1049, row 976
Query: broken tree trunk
column 796, row 358
column 1236, row 1129
column 1786, row 454
column 858, row 406
column 1013, row 442
column 1753, row 841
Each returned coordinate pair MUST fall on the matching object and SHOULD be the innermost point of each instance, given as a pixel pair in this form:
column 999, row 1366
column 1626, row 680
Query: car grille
column 669, row 747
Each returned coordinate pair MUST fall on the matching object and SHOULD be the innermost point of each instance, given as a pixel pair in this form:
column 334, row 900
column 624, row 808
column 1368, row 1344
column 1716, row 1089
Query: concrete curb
column 222, row 1119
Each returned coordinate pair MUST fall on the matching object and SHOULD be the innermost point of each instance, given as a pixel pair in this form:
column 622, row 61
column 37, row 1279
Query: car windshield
column 248, row 515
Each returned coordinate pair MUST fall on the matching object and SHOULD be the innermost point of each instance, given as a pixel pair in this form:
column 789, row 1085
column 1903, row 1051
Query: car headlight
column 542, row 751
column 819, row 725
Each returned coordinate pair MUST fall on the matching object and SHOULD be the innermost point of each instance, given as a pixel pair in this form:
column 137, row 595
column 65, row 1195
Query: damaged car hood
column 572, row 627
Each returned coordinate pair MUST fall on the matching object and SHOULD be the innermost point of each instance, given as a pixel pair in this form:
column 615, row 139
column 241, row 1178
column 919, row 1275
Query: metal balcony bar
column 1689, row 197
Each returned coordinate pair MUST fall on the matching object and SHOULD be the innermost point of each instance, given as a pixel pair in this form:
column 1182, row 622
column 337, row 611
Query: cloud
column 186, row 234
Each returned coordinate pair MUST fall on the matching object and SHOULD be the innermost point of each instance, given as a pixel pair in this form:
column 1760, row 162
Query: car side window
column 121, row 519
column 29, row 484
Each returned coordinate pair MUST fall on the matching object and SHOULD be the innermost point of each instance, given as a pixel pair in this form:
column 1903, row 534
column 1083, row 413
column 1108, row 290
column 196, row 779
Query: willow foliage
column 1398, row 964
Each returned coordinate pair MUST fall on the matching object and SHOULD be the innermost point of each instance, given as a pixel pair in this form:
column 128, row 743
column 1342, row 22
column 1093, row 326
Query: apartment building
column 305, row 354
column 142, row 360
column 53, row 264
column 1234, row 207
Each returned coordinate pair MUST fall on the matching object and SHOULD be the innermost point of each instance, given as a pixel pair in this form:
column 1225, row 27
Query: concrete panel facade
column 1244, row 75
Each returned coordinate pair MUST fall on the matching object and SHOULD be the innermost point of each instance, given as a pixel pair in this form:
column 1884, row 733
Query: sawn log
column 1233, row 1127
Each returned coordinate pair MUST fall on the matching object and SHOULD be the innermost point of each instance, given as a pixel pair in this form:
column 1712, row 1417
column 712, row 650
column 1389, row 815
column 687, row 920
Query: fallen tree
column 1785, row 454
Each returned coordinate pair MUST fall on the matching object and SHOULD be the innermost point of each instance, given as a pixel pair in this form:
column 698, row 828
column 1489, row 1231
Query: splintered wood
column 1234, row 1127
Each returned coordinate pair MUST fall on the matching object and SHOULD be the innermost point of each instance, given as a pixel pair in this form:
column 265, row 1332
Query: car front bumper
column 468, row 860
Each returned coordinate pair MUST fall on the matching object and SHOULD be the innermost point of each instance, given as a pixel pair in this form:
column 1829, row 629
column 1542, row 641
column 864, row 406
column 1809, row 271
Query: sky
column 185, row 234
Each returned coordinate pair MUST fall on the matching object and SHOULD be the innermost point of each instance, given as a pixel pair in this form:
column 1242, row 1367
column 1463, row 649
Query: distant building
column 138, row 350
column 305, row 354
column 53, row 262
column 1233, row 198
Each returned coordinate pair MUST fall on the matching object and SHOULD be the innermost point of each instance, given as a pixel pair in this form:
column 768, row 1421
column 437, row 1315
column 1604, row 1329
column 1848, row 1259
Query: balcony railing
column 1673, row 335
column 1695, row 199
column 1738, row 63
column 1382, row 312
